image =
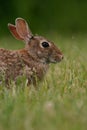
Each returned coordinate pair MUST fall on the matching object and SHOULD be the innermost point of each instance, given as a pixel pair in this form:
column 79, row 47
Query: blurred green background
column 65, row 16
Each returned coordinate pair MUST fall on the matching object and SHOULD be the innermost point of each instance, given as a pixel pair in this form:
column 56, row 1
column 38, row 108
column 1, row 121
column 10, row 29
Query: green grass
column 60, row 102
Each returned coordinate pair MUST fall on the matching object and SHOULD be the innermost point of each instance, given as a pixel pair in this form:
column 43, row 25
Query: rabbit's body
column 18, row 63
column 32, row 61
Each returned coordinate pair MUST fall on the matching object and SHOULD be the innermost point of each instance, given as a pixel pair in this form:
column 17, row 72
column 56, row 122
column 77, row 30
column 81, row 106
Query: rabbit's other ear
column 23, row 29
column 12, row 29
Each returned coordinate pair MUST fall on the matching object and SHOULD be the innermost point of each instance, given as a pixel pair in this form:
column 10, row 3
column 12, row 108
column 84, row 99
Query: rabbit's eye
column 45, row 44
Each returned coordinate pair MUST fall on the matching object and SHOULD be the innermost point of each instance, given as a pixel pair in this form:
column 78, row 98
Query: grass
column 60, row 102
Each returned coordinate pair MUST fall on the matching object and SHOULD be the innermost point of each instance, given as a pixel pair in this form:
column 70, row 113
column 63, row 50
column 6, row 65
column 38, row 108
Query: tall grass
column 59, row 102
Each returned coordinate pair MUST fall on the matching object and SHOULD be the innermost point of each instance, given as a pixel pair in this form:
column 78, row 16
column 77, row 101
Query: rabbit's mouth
column 56, row 59
column 53, row 61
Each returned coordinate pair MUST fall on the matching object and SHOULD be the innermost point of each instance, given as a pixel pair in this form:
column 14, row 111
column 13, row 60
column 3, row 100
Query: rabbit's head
column 37, row 46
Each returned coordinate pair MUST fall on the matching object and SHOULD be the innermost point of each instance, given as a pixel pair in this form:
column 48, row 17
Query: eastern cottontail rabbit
column 33, row 60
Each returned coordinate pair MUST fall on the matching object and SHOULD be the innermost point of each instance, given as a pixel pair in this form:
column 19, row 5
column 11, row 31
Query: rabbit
column 33, row 60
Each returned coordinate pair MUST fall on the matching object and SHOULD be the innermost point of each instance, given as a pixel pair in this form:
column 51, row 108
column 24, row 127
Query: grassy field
column 60, row 102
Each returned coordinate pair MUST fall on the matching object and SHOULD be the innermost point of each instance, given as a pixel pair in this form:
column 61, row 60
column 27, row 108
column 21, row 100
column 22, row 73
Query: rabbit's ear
column 23, row 29
column 12, row 29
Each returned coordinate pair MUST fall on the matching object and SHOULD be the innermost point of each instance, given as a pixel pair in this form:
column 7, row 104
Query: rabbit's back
column 8, row 58
column 10, row 64
column 7, row 55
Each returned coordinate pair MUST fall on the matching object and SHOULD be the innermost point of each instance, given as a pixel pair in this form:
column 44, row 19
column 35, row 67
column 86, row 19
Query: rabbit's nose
column 61, row 57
